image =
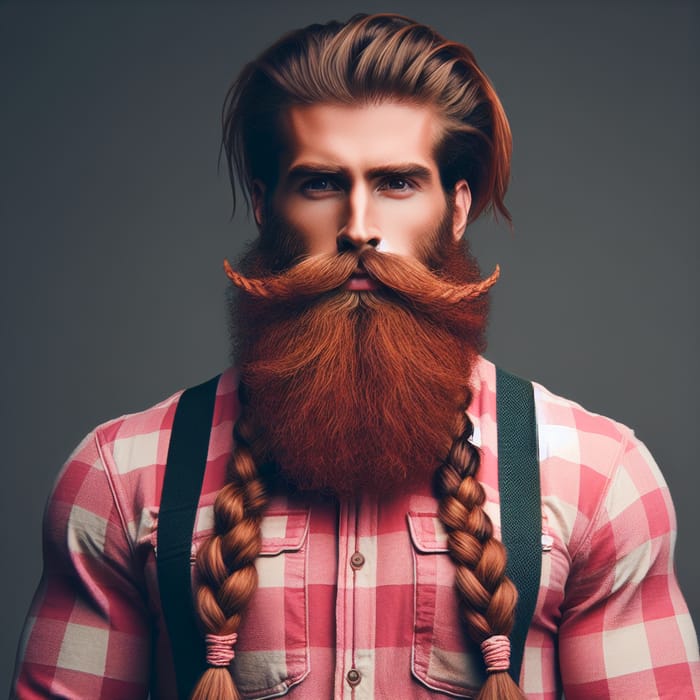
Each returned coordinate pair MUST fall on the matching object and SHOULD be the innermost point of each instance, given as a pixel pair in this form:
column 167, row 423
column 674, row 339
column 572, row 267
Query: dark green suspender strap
column 182, row 484
column 521, row 508
column 521, row 519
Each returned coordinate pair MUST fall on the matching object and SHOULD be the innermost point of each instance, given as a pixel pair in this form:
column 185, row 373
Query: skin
column 354, row 176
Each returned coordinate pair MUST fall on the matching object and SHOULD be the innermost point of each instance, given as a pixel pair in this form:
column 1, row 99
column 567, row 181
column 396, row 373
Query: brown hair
column 367, row 59
column 372, row 58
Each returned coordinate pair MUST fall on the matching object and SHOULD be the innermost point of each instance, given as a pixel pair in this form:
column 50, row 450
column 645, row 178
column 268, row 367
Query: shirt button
column 353, row 676
column 357, row 560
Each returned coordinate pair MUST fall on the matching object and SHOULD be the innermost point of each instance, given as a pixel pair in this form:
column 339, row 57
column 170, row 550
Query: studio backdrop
column 115, row 221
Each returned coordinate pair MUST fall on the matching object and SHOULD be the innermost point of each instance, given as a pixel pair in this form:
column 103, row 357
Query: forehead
column 360, row 136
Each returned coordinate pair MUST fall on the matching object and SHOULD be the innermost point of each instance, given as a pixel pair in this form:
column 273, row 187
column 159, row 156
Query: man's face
column 362, row 176
column 358, row 179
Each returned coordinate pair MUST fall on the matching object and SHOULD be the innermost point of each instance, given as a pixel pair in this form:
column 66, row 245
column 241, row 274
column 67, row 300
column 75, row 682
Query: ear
column 257, row 196
column 462, row 203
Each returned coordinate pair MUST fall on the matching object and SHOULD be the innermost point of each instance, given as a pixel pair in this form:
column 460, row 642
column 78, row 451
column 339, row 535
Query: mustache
column 316, row 275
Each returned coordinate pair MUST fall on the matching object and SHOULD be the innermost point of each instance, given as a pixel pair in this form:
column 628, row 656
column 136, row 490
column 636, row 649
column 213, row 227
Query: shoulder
column 592, row 467
column 564, row 427
column 601, row 456
column 572, row 437
column 117, row 470
column 140, row 440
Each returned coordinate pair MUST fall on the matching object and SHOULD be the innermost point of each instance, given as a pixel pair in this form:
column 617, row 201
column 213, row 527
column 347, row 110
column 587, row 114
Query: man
column 347, row 531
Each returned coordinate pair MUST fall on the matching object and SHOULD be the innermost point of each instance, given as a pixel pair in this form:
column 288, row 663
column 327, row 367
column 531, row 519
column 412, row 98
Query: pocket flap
column 427, row 532
column 283, row 531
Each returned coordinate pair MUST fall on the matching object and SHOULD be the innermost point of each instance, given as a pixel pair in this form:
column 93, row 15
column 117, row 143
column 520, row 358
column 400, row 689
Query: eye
column 397, row 185
column 318, row 184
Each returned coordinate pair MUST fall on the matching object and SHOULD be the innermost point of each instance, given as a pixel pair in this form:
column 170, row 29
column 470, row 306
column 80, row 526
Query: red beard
column 353, row 392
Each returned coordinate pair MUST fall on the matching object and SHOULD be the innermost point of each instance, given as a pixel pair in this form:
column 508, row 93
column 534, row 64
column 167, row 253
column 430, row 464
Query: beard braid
column 354, row 392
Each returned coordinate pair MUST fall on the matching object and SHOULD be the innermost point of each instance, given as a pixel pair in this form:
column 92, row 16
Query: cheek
column 409, row 230
column 315, row 228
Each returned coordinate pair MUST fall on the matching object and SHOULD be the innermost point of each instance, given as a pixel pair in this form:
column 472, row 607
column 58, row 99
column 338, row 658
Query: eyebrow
column 407, row 170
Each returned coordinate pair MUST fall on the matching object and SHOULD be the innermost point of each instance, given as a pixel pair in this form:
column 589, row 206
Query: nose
column 358, row 230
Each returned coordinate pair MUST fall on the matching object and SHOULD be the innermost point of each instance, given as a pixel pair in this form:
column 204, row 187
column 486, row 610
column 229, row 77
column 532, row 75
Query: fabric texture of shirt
column 366, row 585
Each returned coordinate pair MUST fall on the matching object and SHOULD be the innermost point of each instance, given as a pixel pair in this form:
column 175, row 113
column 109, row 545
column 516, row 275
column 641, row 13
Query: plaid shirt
column 610, row 620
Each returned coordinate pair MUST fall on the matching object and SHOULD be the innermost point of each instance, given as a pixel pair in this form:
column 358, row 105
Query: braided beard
column 354, row 392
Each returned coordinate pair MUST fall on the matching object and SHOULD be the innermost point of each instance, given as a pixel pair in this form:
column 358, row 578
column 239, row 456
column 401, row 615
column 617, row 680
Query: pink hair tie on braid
column 496, row 652
column 220, row 648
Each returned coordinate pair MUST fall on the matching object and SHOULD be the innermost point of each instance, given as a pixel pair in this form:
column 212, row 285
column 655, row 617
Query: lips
column 360, row 281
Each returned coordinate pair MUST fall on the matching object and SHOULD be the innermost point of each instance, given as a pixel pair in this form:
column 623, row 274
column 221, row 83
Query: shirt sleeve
column 87, row 633
column 626, row 631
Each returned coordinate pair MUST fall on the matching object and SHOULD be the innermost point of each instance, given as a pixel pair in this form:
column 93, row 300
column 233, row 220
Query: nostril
column 349, row 242
column 345, row 244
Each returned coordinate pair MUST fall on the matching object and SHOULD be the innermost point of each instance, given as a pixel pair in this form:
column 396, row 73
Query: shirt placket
column 355, row 603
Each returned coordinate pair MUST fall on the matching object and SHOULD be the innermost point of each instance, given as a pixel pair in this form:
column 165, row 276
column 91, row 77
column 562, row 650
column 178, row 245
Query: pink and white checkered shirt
column 610, row 619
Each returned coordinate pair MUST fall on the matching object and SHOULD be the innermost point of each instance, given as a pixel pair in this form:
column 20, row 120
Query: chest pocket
column 272, row 653
column 444, row 658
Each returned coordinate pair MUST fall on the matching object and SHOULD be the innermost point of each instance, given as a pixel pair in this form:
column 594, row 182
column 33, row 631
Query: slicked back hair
column 368, row 60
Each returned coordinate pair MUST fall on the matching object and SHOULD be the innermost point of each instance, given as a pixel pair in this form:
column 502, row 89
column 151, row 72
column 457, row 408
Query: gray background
column 114, row 221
